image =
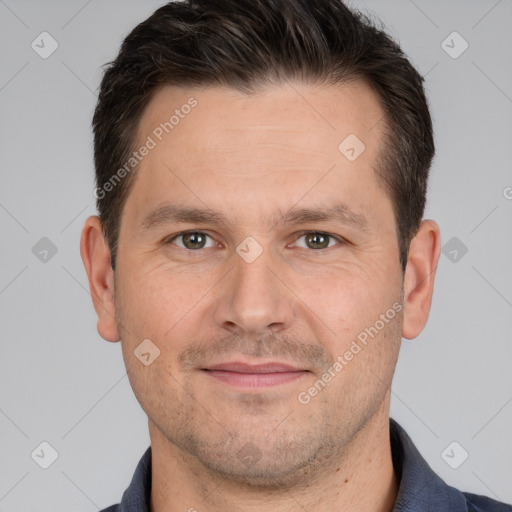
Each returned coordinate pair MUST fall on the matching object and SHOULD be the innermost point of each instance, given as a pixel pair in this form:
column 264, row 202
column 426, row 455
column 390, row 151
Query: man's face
column 259, row 286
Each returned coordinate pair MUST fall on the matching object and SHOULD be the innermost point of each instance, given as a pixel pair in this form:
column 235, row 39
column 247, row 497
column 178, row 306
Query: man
column 260, row 252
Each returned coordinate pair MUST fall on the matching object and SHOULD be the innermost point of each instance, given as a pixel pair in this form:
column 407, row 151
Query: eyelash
column 341, row 241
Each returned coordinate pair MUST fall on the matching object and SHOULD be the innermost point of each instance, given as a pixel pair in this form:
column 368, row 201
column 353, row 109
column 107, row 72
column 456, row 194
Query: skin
column 218, row 446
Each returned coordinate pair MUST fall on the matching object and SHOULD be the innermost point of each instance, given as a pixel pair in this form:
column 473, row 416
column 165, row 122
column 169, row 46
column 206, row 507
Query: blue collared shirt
column 420, row 489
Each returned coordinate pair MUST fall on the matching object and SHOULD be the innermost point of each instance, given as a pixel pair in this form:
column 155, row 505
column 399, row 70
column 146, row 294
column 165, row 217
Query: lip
column 250, row 376
column 240, row 367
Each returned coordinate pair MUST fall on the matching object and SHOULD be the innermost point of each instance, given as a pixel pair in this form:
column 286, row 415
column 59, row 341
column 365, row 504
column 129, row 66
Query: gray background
column 61, row 383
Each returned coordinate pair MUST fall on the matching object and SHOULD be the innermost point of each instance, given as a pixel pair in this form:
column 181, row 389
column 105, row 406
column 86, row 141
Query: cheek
column 341, row 298
column 153, row 301
column 351, row 306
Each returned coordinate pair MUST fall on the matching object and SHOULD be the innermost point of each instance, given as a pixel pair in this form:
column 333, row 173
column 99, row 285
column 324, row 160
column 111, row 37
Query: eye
column 192, row 240
column 317, row 240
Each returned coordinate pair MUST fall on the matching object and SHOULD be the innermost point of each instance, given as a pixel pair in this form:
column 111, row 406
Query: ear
column 420, row 273
column 96, row 258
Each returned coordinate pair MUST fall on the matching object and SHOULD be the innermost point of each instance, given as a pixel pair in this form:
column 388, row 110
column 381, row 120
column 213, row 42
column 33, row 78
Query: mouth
column 250, row 376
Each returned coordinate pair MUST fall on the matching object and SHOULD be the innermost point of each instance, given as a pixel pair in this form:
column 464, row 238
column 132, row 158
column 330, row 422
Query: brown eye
column 192, row 240
column 316, row 240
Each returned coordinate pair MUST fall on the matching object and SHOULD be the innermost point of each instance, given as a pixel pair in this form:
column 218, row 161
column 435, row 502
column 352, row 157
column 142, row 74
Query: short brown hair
column 248, row 43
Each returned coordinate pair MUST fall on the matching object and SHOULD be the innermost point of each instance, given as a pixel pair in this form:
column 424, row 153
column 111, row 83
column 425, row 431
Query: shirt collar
column 420, row 489
column 137, row 495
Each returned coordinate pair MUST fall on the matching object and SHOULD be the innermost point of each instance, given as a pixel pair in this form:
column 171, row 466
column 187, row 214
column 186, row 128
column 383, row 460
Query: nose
column 253, row 299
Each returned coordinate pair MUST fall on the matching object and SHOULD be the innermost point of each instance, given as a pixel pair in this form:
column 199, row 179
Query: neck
column 364, row 480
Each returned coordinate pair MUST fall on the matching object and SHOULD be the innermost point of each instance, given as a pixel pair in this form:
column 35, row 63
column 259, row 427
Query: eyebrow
column 172, row 214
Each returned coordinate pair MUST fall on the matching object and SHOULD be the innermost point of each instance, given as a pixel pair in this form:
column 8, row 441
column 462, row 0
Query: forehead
column 285, row 137
column 318, row 117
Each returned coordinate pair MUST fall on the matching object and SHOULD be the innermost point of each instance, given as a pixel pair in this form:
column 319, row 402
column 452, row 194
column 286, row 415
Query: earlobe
column 96, row 258
column 420, row 273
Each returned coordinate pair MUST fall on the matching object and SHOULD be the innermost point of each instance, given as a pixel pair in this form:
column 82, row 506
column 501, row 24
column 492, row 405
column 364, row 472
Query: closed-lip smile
column 260, row 375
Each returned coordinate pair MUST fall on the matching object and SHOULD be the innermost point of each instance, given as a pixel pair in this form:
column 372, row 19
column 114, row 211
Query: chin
column 264, row 465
